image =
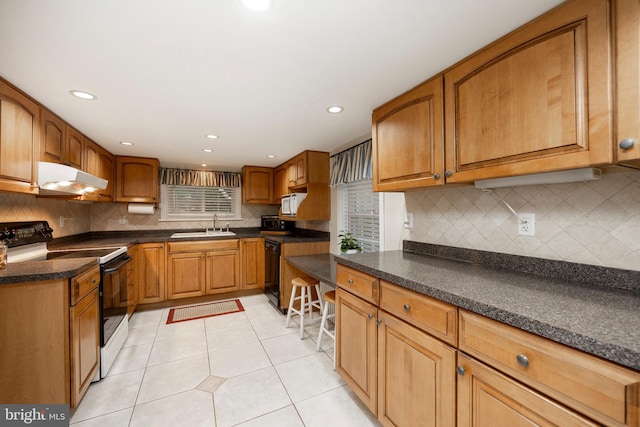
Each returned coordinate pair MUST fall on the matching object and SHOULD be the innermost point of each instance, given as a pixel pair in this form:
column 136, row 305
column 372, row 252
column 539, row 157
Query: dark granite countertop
column 321, row 266
column 32, row 271
column 602, row 320
column 37, row 271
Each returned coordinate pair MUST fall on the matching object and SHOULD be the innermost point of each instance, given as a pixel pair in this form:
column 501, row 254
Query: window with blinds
column 360, row 213
column 183, row 203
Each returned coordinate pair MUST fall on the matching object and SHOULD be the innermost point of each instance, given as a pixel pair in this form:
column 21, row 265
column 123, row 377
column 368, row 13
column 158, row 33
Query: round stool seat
column 330, row 297
column 304, row 281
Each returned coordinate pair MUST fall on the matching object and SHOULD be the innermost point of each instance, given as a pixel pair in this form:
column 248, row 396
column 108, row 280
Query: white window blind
column 196, row 203
column 360, row 213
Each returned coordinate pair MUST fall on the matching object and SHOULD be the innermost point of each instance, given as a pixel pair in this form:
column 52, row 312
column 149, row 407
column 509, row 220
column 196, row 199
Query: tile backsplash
column 596, row 222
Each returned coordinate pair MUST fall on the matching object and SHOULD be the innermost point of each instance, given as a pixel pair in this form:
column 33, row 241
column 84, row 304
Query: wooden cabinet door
column 301, row 168
column 252, row 256
column 535, row 100
column 416, row 376
column 356, row 346
column 151, row 273
column 53, row 146
column 185, row 274
column 408, row 139
column 91, row 164
column 106, row 168
column 223, row 271
column 280, row 183
column 132, row 280
column 137, row 179
column 257, row 185
column 487, row 398
column 19, row 140
column 75, row 146
column 627, row 59
column 84, row 320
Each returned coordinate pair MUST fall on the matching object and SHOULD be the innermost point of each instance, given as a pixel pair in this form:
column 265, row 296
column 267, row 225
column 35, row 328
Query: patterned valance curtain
column 196, row 178
column 351, row 165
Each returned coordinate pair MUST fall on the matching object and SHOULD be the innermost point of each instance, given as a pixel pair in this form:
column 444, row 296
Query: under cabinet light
column 573, row 175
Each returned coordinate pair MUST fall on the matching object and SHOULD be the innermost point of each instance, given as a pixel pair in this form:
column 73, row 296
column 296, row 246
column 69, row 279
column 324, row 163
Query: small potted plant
column 348, row 243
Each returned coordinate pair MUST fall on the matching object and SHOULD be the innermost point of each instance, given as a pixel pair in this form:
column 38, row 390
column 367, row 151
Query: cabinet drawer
column 435, row 317
column 84, row 283
column 204, row 245
column 358, row 283
column 599, row 389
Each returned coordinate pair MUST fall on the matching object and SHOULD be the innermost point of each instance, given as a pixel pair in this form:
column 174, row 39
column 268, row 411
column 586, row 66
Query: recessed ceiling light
column 127, row 143
column 207, row 150
column 204, row 165
column 211, row 136
column 271, row 156
column 258, row 5
column 334, row 109
column 83, row 95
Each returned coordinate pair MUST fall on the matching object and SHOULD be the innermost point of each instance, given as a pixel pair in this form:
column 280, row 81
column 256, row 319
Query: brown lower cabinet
column 150, row 263
column 417, row 361
column 51, row 352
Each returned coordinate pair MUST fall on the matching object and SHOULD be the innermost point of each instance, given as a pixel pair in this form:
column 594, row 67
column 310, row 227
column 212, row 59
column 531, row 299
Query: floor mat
column 182, row 314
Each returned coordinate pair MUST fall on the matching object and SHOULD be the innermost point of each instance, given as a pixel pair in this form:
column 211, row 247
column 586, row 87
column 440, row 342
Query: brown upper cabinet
column 308, row 166
column 137, row 179
column 53, row 146
column 101, row 163
column 280, row 182
column 257, row 185
column 408, row 139
column 535, row 100
column 627, row 48
column 60, row 143
column 19, row 140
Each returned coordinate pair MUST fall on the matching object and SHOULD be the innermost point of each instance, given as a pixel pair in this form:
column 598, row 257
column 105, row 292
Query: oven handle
column 118, row 266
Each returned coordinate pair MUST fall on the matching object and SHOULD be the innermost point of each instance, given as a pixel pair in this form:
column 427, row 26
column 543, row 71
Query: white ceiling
column 168, row 72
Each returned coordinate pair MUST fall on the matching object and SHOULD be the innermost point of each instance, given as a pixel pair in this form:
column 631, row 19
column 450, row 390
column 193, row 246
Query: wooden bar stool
column 306, row 302
column 329, row 298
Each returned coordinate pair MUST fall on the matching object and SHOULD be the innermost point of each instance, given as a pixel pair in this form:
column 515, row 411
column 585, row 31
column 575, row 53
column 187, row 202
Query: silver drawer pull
column 370, row 316
column 350, row 281
column 460, row 370
column 407, row 307
column 522, row 360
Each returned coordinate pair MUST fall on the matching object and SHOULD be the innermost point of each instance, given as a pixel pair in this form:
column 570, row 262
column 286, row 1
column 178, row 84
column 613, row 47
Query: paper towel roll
column 141, row 208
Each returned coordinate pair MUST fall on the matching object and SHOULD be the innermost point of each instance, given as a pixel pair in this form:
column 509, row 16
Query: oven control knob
column 7, row 234
column 46, row 231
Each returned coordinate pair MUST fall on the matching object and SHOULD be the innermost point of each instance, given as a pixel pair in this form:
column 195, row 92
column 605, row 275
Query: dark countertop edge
column 159, row 236
column 35, row 271
column 547, row 268
column 608, row 351
column 321, row 267
column 28, row 272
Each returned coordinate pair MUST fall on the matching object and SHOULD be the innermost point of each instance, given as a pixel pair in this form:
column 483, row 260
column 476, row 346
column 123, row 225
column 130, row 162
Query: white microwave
column 291, row 202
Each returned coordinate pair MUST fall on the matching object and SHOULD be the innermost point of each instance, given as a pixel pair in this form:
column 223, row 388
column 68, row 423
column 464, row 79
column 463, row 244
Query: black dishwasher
column 272, row 272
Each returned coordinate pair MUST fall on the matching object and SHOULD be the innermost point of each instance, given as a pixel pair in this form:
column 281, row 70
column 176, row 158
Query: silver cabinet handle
column 407, row 307
column 370, row 316
column 436, row 176
column 625, row 144
column 447, row 174
column 460, row 370
column 350, row 281
column 378, row 322
column 522, row 360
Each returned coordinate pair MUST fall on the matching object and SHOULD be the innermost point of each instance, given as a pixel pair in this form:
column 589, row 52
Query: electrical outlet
column 408, row 223
column 122, row 220
column 526, row 224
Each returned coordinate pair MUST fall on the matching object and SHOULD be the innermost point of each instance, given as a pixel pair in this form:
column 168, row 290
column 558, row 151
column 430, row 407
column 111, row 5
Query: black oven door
column 113, row 296
column 272, row 272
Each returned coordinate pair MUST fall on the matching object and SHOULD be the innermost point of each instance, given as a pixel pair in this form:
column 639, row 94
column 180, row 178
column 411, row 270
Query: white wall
column 595, row 222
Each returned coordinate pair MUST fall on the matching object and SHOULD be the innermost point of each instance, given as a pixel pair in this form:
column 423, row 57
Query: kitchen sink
column 208, row 233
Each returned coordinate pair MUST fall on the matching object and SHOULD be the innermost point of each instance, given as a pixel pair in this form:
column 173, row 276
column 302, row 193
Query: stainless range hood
column 57, row 179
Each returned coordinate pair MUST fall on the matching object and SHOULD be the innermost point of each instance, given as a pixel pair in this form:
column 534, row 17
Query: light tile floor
column 240, row 369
